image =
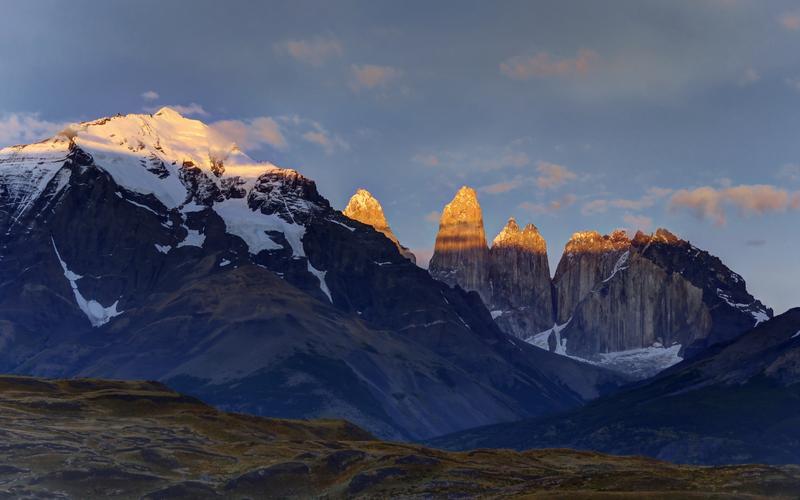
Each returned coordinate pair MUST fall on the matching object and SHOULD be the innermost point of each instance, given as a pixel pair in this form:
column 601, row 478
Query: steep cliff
column 519, row 275
column 364, row 208
column 460, row 255
column 619, row 294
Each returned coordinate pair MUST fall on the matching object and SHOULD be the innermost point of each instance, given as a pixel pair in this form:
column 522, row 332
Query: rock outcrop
column 521, row 299
column 461, row 256
column 512, row 278
column 618, row 294
column 364, row 208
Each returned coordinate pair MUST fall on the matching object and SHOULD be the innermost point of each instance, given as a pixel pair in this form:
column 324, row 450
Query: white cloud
column 150, row 95
column 711, row 203
column 25, row 128
column 314, row 51
column 371, row 76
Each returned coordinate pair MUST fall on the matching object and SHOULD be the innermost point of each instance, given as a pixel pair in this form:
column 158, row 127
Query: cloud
column 635, row 222
column 25, row 128
column 542, row 65
column 711, row 203
column 550, row 207
column 790, row 21
column 371, row 76
column 501, row 187
column 150, row 95
column 652, row 196
column 322, row 138
column 251, row 134
column 191, row 109
column 552, row 175
column 314, row 51
column 429, row 160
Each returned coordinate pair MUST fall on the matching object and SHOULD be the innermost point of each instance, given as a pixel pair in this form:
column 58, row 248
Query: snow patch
column 224, row 262
column 619, row 265
column 97, row 314
column 251, row 226
column 321, row 277
column 193, row 238
column 796, row 334
column 163, row 248
column 496, row 314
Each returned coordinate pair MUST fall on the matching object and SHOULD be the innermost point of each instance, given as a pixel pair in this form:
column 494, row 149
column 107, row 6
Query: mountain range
column 635, row 304
column 145, row 247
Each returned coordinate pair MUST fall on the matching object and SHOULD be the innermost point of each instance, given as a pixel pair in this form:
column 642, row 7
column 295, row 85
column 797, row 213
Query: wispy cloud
column 150, row 95
column 635, row 222
column 652, row 196
column 549, row 207
column 24, row 128
column 711, row 203
column 542, row 65
column 251, row 134
column 790, row 20
column 429, row 160
column 314, row 51
column 328, row 142
column 552, row 175
column 371, row 76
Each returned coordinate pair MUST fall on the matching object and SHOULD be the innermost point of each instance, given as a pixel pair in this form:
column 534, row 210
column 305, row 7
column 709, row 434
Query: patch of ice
column 194, row 238
column 321, row 277
column 163, row 248
column 97, row 314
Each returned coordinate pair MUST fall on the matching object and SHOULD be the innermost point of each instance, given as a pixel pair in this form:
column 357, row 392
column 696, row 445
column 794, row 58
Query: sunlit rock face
column 364, row 208
column 460, row 255
column 588, row 259
column 620, row 294
column 519, row 275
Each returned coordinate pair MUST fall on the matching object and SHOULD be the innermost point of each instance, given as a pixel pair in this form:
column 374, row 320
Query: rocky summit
column 619, row 294
column 519, row 279
column 460, row 254
column 364, row 208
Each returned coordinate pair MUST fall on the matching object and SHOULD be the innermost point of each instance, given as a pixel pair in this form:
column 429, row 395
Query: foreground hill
column 85, row 438
column 146, row 247
column 738, row 402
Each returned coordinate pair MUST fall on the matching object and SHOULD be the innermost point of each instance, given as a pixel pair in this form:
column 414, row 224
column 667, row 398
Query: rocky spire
column 364, row 208
column 461, row 255
column 520, row 280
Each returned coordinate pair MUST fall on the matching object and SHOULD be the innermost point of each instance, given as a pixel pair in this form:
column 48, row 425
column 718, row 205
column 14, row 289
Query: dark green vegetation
column 85, row 438
column 737, row 403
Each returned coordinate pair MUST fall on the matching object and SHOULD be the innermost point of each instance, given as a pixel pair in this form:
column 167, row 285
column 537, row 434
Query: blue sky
column 572, row 115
